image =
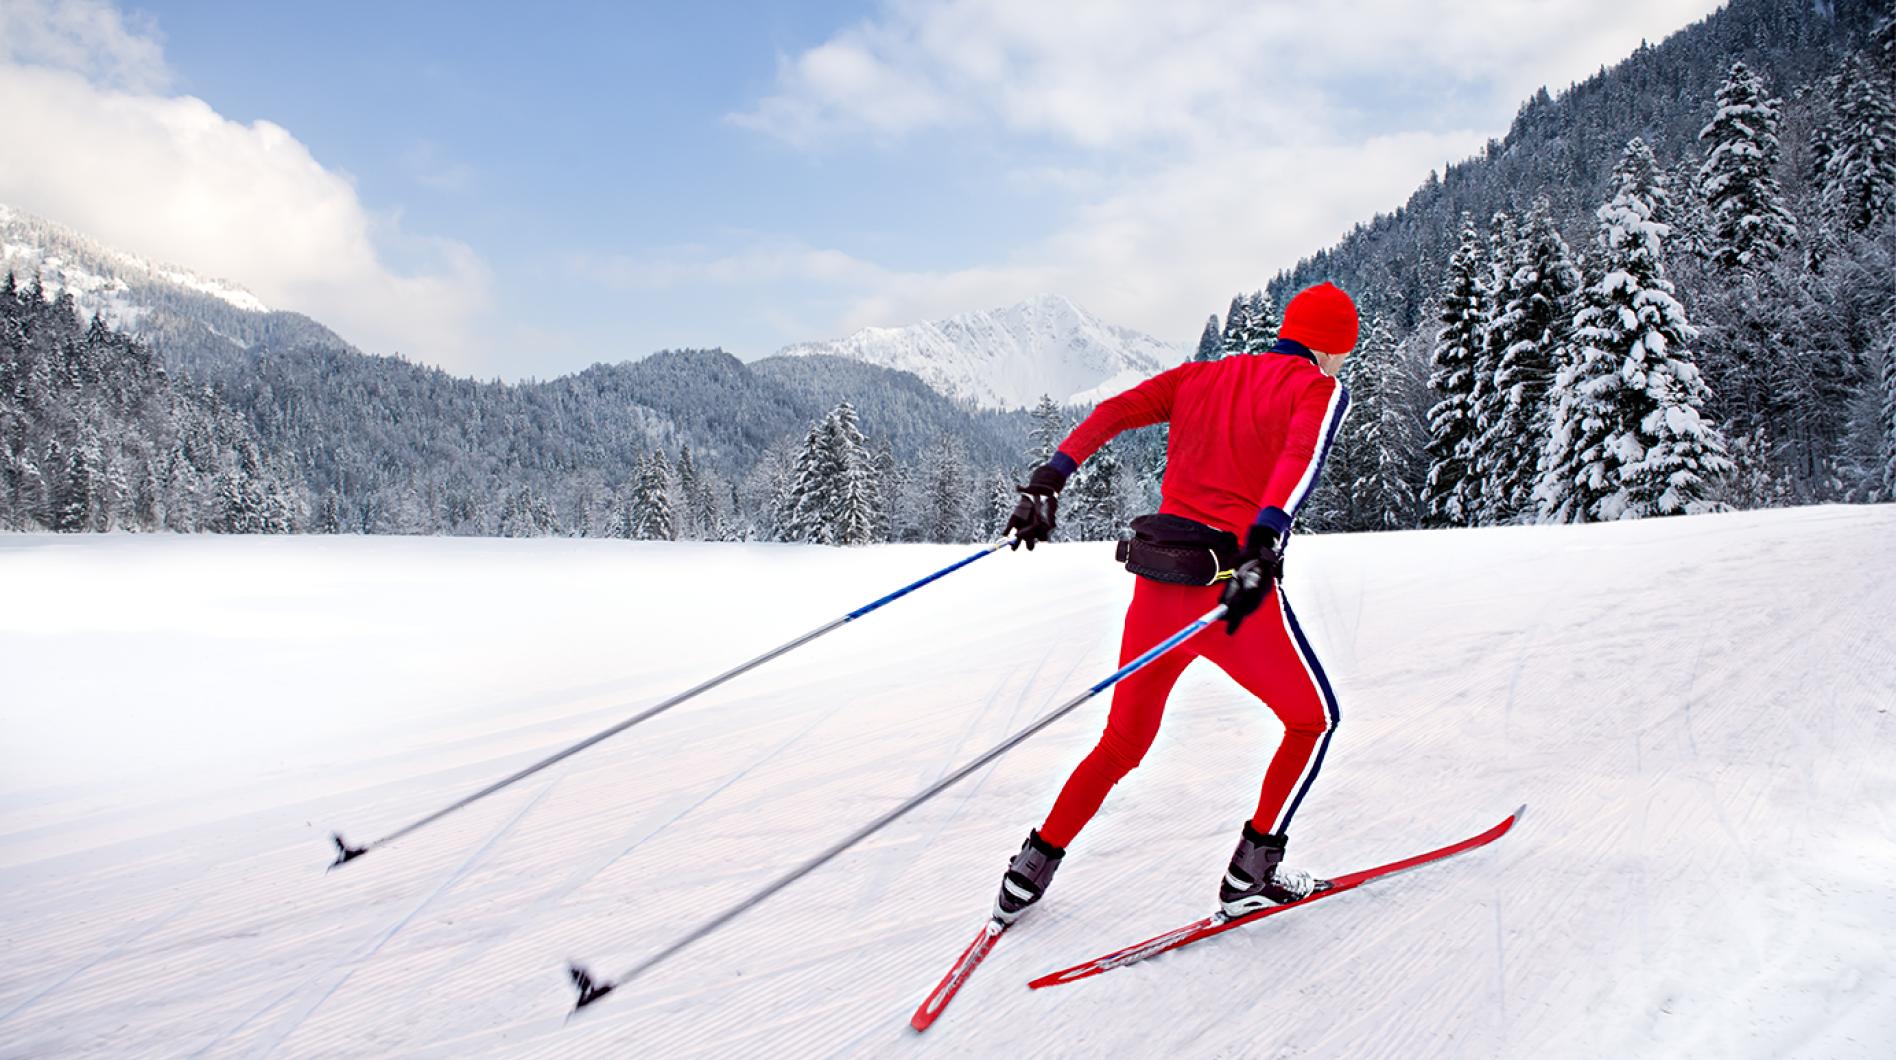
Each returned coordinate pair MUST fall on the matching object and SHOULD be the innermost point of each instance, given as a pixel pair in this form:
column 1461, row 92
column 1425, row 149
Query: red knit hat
column 1322, row 318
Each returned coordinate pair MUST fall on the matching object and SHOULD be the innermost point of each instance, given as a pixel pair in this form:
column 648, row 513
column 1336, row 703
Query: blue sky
column 523, row 191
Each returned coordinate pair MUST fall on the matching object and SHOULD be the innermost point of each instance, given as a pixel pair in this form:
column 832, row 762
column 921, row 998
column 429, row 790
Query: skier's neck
column 1295, row 349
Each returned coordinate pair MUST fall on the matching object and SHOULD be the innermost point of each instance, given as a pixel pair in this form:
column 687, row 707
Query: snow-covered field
column 1696, row 711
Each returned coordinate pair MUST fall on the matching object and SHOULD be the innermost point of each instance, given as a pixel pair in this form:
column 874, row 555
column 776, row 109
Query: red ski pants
column 1268, row 657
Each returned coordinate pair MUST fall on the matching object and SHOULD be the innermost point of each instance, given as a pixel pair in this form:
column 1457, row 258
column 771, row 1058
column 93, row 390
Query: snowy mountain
column 101, row 279
column 183, row 312
column 1008, row 358
column 1703, row 870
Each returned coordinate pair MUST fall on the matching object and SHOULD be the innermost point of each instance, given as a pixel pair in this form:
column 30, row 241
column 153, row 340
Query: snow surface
column 1695, row 710
column 1008, row 358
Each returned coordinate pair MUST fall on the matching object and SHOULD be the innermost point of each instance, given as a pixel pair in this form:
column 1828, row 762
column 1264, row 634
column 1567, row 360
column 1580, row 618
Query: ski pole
column 345, row 852
column 591, row 989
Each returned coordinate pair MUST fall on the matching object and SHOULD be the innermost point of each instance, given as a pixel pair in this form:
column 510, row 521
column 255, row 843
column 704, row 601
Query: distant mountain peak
column 1009, row 357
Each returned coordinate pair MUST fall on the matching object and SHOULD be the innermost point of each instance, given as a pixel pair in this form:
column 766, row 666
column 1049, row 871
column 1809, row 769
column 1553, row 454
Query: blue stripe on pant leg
column 1330, row 707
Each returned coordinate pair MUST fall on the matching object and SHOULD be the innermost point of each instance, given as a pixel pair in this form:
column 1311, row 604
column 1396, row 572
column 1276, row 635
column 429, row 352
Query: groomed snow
column 1696, row 711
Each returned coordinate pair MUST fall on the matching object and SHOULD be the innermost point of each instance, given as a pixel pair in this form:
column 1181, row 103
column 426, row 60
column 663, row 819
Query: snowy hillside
column 188, row 315
column 1008, row 358
column 101, row 279
column 1696, row 711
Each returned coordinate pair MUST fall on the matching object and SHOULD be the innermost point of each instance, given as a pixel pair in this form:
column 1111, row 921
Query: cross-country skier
column 1248, row 439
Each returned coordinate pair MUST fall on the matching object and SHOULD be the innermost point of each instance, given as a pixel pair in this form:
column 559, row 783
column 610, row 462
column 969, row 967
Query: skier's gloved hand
column 1032, row 520
column 1260, row 565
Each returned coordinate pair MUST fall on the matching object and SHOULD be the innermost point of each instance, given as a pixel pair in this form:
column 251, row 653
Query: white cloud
column 92, row 143
column 1155, row 252
column 1119, row 73
column 1204, row 145
column 762, row 261
column 87, row 37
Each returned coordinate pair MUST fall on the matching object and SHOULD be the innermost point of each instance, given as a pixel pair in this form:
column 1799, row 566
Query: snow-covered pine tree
column 890, row 484
column 652, row 516
column 811, row 495
column 1749, row 222
column 1250, row 325
column 1001, row 499
column 688, row 486
column 907, row 490
column 1451, row 379
column 329, row 515
column 1649, row 180
column 710, row 503
column 1381, row 437
column 1689, row 221
column 859, row 489
column 1093, row 508
column 1857, row 176
column 1237, row 328
column 836, row 497
column 148, row 502
column 524, row 514
column 1048, row 431
column 1627, row 438
column 1756, row 480
column 1211, row 342
column 618, row 520
column 73, row 497
column 765, row 501
column 947, row 491
column 1143, row 453
column 1888, row 492
column 1485, row 400
column 1328, row 508
column 1537, row 307
column 1264, row 324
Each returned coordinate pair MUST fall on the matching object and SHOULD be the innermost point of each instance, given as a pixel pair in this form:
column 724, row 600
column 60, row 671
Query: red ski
column 944, row 991
column 1216, row 924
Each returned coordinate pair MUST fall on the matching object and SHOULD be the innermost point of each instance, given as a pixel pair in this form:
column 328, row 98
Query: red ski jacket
column 1249, row 434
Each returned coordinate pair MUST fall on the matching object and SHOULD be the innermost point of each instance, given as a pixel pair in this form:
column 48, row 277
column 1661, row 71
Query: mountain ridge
column 1006, row 358
column 184, row 315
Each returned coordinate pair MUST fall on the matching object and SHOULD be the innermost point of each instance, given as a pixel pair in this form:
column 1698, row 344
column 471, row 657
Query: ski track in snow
column 322, row 987
column 1695, row 710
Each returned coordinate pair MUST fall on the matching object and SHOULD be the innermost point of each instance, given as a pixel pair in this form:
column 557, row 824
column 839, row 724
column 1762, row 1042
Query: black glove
column 1260, row 565
column 1039, row 499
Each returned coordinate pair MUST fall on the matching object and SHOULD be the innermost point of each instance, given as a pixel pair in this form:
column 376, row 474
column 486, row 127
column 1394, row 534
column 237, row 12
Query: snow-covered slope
column 182, row 312
column 1008, row 358
column 103, row 280
column 1696, row 711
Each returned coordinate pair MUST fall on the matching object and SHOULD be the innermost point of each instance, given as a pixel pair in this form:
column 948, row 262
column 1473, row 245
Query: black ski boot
column 1257, row 878
column 1027, row 877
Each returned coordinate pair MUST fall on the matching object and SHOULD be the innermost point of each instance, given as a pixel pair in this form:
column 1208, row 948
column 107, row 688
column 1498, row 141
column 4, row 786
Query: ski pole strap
column 886, row 819
column 347, row 853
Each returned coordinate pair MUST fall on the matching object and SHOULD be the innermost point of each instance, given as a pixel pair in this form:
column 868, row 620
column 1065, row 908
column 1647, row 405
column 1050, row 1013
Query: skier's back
column 1248, row 438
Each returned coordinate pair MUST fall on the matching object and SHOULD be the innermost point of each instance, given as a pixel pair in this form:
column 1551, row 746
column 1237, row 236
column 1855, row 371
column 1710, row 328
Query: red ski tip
column 944, row 992
column 1217, row 925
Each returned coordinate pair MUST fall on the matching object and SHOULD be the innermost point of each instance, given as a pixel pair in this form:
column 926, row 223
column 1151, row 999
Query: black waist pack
column 1181, row 551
